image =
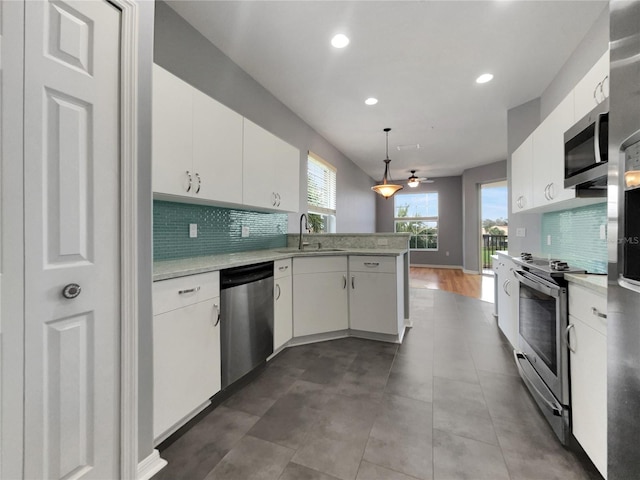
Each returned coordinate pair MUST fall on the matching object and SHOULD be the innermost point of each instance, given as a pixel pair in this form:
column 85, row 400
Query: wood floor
column 452, row 280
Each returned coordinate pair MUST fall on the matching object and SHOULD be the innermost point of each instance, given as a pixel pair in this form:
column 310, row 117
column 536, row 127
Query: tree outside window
column 417, row 214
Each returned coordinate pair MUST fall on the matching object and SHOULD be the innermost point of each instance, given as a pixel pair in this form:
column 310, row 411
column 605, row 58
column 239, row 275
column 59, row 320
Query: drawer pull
column 371, row 264
column 595, row 311
column 283, row 268
column 189, row 290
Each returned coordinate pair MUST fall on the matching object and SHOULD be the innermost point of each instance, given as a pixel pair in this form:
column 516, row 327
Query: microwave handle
column 596, row 143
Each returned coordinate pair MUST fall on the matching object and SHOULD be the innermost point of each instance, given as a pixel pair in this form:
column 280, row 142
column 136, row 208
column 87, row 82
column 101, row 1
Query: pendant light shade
column 387, row 188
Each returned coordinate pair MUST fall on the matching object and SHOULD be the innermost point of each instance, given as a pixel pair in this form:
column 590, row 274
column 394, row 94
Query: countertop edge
column 168, row 269
column 597, row 283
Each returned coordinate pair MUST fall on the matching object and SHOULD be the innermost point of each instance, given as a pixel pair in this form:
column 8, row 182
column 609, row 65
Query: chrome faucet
column 306, row 226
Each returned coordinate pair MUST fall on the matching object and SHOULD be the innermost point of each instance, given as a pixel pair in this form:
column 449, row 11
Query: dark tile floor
column 447, row 404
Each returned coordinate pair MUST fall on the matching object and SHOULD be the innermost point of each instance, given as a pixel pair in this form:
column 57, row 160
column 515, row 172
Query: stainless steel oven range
column 543, row 357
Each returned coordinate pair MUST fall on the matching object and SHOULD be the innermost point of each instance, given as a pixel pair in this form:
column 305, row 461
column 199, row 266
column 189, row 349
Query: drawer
column 320, row 264
column 281, row 268
column 372, row 263
column 582, row 303
column 180, row 292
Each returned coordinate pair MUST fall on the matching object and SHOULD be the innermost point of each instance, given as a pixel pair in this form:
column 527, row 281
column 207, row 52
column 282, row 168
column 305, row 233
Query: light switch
column 521, row 232
column 548, row 239
column 245, row 232
column 193, row 230
column 603, row 232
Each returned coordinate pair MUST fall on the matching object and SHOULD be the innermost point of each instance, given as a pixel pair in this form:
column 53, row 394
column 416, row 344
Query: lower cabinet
column 507, row 290
column 282, row 303
column 588, row 361
column 186, row 349
column 320, row 295
column 376, row 296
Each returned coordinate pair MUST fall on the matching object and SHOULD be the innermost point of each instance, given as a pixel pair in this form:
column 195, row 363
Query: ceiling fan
column 414, row 181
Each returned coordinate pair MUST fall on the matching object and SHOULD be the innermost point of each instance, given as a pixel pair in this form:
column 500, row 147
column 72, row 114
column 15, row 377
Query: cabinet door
column 259, row 160
column 283, row 311
column 186, row 362
column 373, row 304
column 521, row 172
column 588, row 93
column 589, row 391
column 548, row 156
column 320, row 303
column 287, row 180
column 172, row 126
column 217, row 150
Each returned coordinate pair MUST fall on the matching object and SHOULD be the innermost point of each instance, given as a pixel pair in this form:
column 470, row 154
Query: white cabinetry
column 593, row 88
column 376, row 298
column 282, row 303
column 186, row 349
column 197, row 143
column 320, row 295
column 271, row 170
column 521, row 174
column 507, row 285
column 588, row 360
column 548, row 156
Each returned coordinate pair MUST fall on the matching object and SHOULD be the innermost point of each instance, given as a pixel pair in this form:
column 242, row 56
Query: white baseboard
column 422, row 265
column 151, row 465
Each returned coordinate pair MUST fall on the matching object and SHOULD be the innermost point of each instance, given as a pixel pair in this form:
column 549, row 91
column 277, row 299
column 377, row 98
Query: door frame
column 12, row 237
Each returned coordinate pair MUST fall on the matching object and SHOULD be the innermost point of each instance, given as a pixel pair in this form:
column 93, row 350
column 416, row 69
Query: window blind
column 321, row 186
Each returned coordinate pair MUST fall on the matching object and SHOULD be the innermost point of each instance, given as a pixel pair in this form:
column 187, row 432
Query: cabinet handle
column 218, row 310
column 273, row 198
column 190, row 181
column 546, row 192
column 595, row 93
column 567, row 342
column 597, row 313
column 371, row 264
column 344, row 278
column 283, row 268
column 551, row 191
column 189, row 290
column 278, row 290
column 277, row 199
column 604, row 93
column 504, row 287
column 199, row 182
column 353, row 282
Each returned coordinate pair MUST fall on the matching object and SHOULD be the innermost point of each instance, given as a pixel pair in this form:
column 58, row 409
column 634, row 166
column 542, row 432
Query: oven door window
column 538, row 326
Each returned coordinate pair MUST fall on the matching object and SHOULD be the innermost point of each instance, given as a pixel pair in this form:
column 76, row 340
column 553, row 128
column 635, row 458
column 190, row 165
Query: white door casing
column 72, row 235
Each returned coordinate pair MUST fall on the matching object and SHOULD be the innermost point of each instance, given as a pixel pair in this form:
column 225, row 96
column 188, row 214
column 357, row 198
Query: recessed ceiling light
column 371, row 101
column 484, row 78
column 340, row 40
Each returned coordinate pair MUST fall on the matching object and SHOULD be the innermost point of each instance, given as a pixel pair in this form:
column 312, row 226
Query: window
column 417, row 213
column 321, row 195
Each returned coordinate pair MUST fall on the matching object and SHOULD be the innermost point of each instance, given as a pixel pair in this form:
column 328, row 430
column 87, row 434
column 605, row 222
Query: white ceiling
column 419, row 58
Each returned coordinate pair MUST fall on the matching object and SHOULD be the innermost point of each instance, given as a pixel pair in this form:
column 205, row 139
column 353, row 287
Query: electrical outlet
column 603, row 232
column 548, row 239
column 447, row 254
column 521, row 232
column 193, row 230
column 245, row 232
column 383, row 241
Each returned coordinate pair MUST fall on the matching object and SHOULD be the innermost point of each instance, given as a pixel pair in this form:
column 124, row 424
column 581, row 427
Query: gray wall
column 145, row 250
column 471, row 181
column 450, row 221
column 522, row 120
column 186, row 53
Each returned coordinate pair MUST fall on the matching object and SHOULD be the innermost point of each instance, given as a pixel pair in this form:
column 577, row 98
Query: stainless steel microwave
column 586, row 152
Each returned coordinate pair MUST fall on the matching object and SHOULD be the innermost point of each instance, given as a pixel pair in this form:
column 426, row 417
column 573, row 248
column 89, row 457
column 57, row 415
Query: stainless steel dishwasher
column 246, row 319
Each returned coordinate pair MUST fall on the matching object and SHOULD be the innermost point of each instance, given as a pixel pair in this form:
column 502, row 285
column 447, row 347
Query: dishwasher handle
column 234, row 277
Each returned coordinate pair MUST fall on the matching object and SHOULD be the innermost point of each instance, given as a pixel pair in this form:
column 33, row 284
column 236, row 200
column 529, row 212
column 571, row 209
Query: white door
column 72, row 236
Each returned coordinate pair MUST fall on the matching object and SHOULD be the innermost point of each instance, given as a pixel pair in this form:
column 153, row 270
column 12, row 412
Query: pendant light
column 413, row 181
column 386, row 189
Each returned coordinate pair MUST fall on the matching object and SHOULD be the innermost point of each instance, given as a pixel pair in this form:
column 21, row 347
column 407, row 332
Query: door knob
column 71, row 291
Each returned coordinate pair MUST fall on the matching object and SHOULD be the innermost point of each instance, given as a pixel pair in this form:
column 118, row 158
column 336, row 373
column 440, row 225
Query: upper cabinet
column 593, row 88
column 271, row 170
column 206, row 151
column 537, row 166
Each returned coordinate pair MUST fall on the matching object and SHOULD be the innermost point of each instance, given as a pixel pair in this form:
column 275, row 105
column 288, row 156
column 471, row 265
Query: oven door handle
column 556, row 409
column 537, row 285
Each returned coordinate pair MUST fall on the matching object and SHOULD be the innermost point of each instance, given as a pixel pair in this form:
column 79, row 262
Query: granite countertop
column 597, row 283
column 166, row 269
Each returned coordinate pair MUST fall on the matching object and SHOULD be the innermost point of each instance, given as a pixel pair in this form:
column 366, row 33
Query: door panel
column 72, row 236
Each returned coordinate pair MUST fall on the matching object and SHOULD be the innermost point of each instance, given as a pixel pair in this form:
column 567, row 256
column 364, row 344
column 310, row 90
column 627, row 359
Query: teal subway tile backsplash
column 219, row 230
column 575, row 237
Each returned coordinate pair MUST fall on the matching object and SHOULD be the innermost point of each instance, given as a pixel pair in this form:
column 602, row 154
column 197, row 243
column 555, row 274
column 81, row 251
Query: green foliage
column 316, row 223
